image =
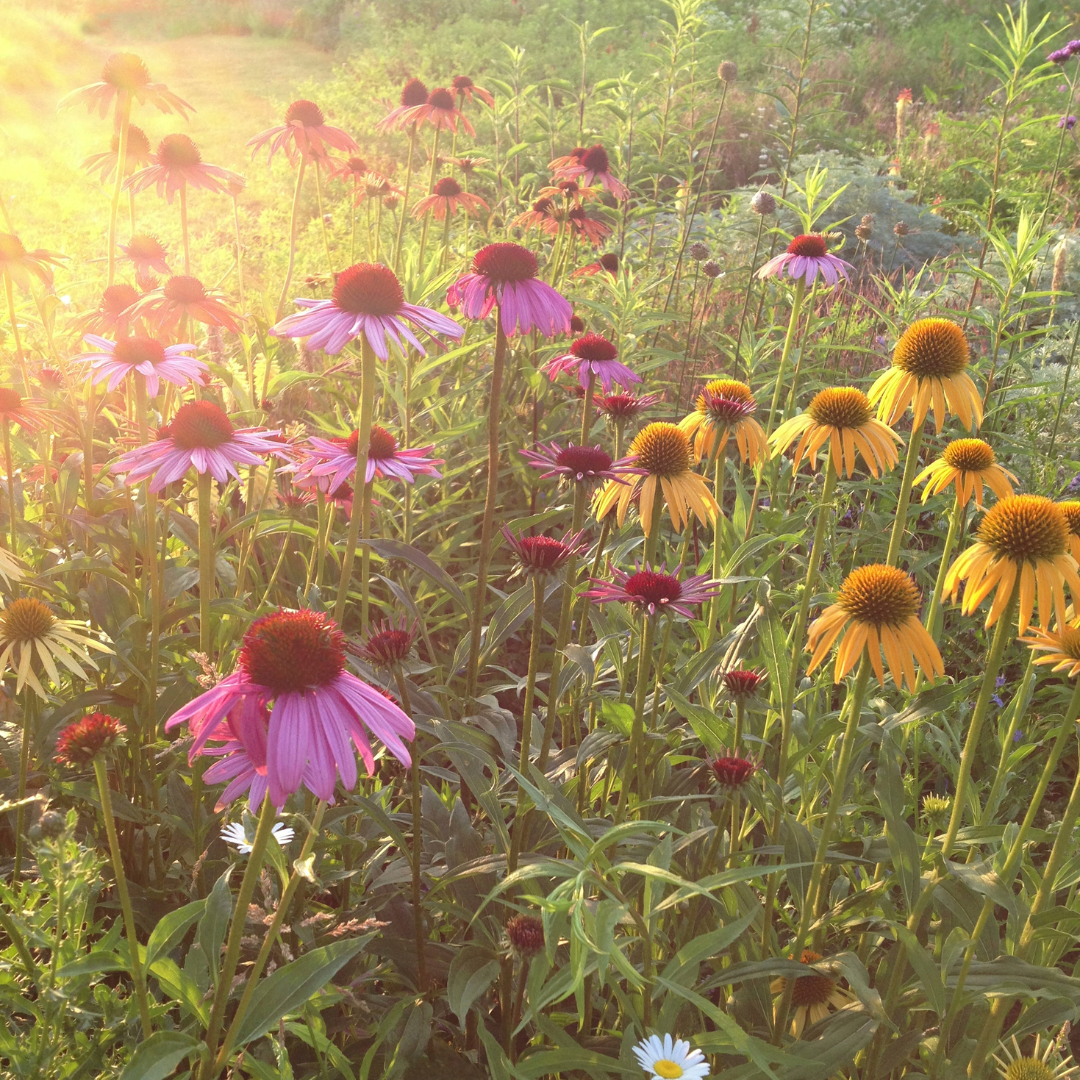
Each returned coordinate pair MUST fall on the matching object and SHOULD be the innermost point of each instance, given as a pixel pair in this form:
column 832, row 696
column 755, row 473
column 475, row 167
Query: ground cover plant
column 498, row 578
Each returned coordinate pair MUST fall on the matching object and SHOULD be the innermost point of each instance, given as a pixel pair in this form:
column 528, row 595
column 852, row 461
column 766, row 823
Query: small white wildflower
column 670, row 1059
column 236, row 834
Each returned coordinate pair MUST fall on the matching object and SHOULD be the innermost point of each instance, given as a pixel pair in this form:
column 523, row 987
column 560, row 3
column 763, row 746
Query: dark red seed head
column 461, row 83
column 368, row 289
column 741, row 683
column 200, row 425
column 594, row 347
column 610, row 262
column 526, row 934
column 413, row 93
column 126, row 71
column 447, row 188
column 184, row 289
column 178, row 152
column 595, row 159
column 732, row 771
column 577, row 324
column 10, row 401
column 137, row 350
column 811, row 245
column 293, row 650
column 505, row 263
column 80, row 742
column 305, row 112
column 388, row 646
column 441, row 98
column 584, row 459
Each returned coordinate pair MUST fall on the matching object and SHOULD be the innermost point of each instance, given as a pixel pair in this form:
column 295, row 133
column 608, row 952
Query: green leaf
column 168, row 932
column 472, row 972
column 94, row 964
column 395, row 549
column 156, row 1058
column 925, row 968
column 215, row 921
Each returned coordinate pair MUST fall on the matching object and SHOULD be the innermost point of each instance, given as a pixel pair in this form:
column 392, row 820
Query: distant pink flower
column 305, row 134
column 505, row 274
column 466, row 89
column 588, row 228
column 413, row 93
column 335, row 460
column 113, row 313
column 608, row 263
column 589, row 165
column 593, row 354
column 291, row 677
column 116, row 360
column 805, row 258
column 201, row 437
column 542, row 215
column 148, row 254
column 582, row 464
column 619, row 408
column 179, row 164
column 184, row 295
column 126, row 74
column 445, row 198
column 654, row 590
column 138, row 155
column 440, row 111
column 542, row 555
column 368, row 299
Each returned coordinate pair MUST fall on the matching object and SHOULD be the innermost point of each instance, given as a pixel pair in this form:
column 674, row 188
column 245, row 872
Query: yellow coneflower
column 1071, row 509
column 970, row 463
column 663, row 455
column 1023, row 538
column 929, row 368
column 840, row 416
column 29, row 630
column 1061, row 646
column 725, row 407
column 878, row 607
column 813, row 996
column 1017, row 1066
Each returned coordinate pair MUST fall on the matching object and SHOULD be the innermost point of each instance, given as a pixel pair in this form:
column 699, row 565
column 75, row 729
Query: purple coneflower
column 138, row 154
column 466, row 89
column 148, row 254
column 582, row 464
column 201, row 437
column 619, row 408
column 593, row 354
column 542, row 215
column 19, row 262
column 444, row 199
column 126, row 73
column 388, row 645
column 15, row 409
column 305, row 134
column 112, row 315
column 589, row 165
column 608, row 263
column 805, row 258
column 116, row 360
column 590, row 229
column 413, row 93
column 1067, row 122
column 291, row 683
column 440, row 111
column 184, row 295
column 505, row 274
column 654, row 590
column 542, row 555
column 368, row 299
column 179, row 164
column 336, row 459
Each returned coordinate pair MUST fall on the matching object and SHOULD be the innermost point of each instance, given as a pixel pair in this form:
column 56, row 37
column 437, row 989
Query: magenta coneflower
column 589, row 166
column 368, row 299
column 126, row 73
column 388, row 645
column 732, row 771
column 542, row 555
column 742, row 683
column 440, row 111
column 201, row 437
column 375, row 186
column 542, row 215
column 116, row 360
column 654, row 590
column 444, row 199
column 580, row 224
column 619, row 408
column 805, row 258
column 413, row 93
column 296, row 661
column 138, row 155
column 113, row 313
column 581, row 464
column 178, row 164
column 305, row 134
column 83, row 740
column 185, row 295
column 148, row 254
column 570, row 191
column 336, row 459
column 351, row 168
column 608, row 263
column 505, row 274
column 593, row 355
column 466, row 89
column 15, row 409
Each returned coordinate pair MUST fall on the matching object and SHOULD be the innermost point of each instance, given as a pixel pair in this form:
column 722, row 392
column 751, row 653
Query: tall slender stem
column 404, row 199
column 206, row 561
column 934, row 611
column 20, row 356
column 1064, row 390
column 904, row 498
column 29, row 703
column 431, row 188
column 746, row 297
column 150, row 562
column 634, row 776
column 239, row 254
column 123, row 122
column 322, row 220
column 13, row 503
column 292, row 239
column 184, row 230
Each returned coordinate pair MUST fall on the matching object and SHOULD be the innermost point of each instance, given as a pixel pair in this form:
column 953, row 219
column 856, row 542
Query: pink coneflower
column 148, row 254
column 579, row 223
column 594, row 355
column 201, row 437
column 19, row 262
column 466, row 89
column 351, row 168
column 413, row 93
column 570, row 191
column 368, row 299
column 178, row 164
column 542, row 555
column 116, row 360
column 542, row 215
column 185, row 295
column 388, row 645
column 113, row 313
column 305, row 134
column 741, row 683
column 83, row 740
column 444, row 199
column 805, row 258
column 732, row 771
column 138, row 155
column 126, row 73
column 296, row 661
column 505, row 274
column 654, row 591
column 375, row 186
column 589, row 166
column 582, row 464
column 619, row 408
column 336, row 459
column 440, row 111
column 608, row 263
column 15, row 409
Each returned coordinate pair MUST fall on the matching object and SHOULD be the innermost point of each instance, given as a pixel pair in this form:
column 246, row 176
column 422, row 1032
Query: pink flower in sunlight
column 112, row 315
column 116, row 360
column 619, row 408
column 413, row 93
column 367, row 300
column 608, row 263
column 19, row 262
column 138, row 155
column 805, row 258
column 184, row 295
column 588, row 228
column 593, row 354
column 653, row 590
column 542, row 556
column 505, row 274
column 445, row 198
column 178, row 164
column 466, row 89
column 335, row 460
column 582, row 464
column 440, row 111
column 125, row 74
column 543, row 215
column 305, row 134
column 589, row 165
column 292, row 713
column 148, row 254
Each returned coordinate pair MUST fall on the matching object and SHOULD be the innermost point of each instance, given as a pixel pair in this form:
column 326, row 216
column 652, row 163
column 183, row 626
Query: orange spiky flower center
column 184, row 289
column 662, row 449
column 932, row 348
column 840, row 407
column 178, row 152
column 304, row 112
column 1025, row 528
column 200, row 425
column 879, row 595
column 809, row 245
column 368, row 289
column 126, row 71
column 25, row 619
column 968, row 455
column 138, row 350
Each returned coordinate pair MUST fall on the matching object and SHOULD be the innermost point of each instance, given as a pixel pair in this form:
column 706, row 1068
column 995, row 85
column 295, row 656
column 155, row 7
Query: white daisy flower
column 668, row 1059
column 236, row 834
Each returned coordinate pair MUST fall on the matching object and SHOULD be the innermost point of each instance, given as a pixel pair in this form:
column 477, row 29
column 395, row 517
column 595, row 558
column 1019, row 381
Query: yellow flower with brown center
column 725, row 407
column 662, row 453
column 929, row 369
column 1014, row 1065
column 969, row 463
column 813, row 996
column 1071, row 509
column 876, row 609
column 1023, row 539
column 31, row 633
column 840, row 416
column 1061, row 646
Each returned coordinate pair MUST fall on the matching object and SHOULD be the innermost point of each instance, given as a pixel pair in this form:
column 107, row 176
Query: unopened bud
column 698, row 251
column 1061, row 260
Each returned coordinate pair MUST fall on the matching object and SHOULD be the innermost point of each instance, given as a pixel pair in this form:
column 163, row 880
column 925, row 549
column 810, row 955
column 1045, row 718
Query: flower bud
column 526, row 934
column 711, row 268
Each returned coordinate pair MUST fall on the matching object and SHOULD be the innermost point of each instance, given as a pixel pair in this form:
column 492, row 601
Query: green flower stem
column 88, row 449
column 322, row 221
column 13, row 503
column 740, row 711
column 586, row 409
column 486, row 529
column 206, row 561
column 431, row 188
column 1064, row 390
column 322, row 538
column 719, row 460
column 1017, row 709
column 292, row 241
column 240, row 274
column 982, row 705
column 277, row 566
column 28, row 708
column 815, row 890
column 123, row 122
column 746, row 297
column 789, row 341
column 634, row 776
column 934, row 611
column 20, row 356
column 150, row 566
column 184, row 230
column 1006, row 874
column 236, row 933
column 363, row 438
column 404, row 201
column 904, row 498
column 137, row 974
column 526, row 718
column 252, row 983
